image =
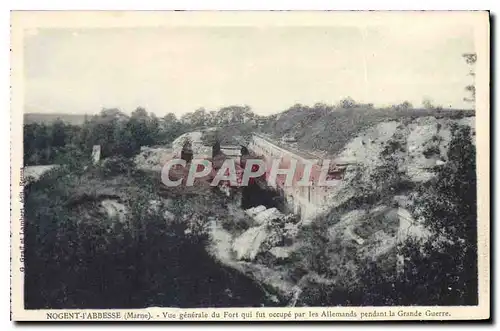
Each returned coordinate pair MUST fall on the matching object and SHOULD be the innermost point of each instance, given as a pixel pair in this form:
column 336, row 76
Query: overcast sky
column 181, row 69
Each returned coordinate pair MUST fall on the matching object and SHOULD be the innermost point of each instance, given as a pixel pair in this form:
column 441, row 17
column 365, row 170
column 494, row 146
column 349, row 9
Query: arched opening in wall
column 257, row 194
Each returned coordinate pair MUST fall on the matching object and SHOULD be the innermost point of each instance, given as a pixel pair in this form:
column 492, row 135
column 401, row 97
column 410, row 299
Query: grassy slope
column 318, row 129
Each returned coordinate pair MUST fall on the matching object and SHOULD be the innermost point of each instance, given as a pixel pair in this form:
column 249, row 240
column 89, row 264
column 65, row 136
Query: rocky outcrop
column 33, row 173
column 248, row 245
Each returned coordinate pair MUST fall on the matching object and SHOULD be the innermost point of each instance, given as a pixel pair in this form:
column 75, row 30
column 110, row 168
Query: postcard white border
column 30, row 20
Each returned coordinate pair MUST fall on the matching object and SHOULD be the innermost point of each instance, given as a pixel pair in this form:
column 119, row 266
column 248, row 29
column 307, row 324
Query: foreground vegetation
column 78, row 256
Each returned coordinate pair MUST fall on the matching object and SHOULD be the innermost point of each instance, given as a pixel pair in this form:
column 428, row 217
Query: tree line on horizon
column 117, row 133
column 122, row 135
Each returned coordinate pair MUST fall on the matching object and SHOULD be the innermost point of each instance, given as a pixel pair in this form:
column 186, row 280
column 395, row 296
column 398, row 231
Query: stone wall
column 304, row 201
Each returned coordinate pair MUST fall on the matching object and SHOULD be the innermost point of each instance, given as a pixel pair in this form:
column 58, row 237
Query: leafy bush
column 117, row 166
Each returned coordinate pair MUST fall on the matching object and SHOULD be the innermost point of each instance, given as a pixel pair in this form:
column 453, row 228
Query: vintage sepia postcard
column 249, row 166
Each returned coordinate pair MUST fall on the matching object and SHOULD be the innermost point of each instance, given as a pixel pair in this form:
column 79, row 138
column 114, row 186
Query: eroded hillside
column 329, row 129
column 368, row 219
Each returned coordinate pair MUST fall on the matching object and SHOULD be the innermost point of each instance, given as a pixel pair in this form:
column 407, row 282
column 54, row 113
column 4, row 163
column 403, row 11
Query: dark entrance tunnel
column 256, row 194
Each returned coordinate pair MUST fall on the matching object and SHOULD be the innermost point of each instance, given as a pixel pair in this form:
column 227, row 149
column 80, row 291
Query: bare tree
column 470, row 59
